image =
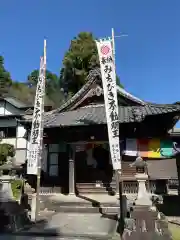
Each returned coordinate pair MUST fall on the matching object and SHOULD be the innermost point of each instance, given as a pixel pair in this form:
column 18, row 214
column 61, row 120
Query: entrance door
column 84, row 173
column 57, row 175
column 93, row 165
column 93, row 171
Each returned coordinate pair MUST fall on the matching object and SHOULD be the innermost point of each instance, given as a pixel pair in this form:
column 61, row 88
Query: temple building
column 76, row 157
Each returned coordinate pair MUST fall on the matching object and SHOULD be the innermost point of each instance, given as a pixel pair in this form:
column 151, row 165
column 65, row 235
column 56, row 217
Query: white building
column 11, row 130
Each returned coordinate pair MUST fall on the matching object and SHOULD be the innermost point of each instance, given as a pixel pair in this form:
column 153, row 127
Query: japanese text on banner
column 110, row 97
column 35, row 147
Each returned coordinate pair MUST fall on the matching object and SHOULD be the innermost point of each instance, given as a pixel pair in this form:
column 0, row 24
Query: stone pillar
column 143, row 197
column 71, row 170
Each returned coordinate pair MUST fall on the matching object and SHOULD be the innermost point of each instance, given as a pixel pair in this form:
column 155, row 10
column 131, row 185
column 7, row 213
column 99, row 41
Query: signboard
column 151, row 148
column 36, row 138
column 108, row 74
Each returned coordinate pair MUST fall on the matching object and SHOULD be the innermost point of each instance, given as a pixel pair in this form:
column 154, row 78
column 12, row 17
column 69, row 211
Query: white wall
column 20, row 156
column 21, row 137
column 19, row 142
column 2, row 108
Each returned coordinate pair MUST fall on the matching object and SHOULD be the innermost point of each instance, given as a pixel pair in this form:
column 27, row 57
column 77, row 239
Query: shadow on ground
column 170, row 205
column 15, row 224
column 113, row 216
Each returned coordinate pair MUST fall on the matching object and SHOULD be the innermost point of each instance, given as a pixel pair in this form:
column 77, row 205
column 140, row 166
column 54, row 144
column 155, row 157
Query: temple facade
column 76, row 156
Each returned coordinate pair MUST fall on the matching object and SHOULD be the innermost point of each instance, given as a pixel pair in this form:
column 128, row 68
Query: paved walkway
column 175, row 220
column 101, row 198
column 70, row 226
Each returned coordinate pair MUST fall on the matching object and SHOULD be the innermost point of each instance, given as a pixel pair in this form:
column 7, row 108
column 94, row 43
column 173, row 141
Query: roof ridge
column 129, row 95
column 90, row 79
column 160, row 105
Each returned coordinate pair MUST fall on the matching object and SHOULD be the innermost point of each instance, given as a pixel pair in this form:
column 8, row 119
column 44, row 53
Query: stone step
column 97, row 192
column 94, row 184
column 80, row 209
column 82, row 206
column 96, row 188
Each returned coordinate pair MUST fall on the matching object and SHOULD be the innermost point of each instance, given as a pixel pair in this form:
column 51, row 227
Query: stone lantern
column 8, row 174
column 143, row 197
column 14, row 216
column 140, row 165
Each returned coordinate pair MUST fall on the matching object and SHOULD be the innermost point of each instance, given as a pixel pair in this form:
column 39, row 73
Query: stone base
column 143, row 197
column 6, row 193
column 143, row 202
column 146, row 224
column 72, row 194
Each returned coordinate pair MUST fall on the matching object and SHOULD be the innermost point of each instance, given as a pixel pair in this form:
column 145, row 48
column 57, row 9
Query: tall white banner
column 108, row 74
column 36, row 138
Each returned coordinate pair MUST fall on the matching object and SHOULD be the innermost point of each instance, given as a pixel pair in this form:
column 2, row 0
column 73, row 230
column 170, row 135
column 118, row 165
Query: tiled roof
column 162, row 169
column 95, row 114
column 15, row 102
column 18, row 104
column 92, row 77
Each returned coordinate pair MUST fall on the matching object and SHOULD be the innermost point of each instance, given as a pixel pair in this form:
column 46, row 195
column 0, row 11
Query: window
column 53, row 160
column 8, row 132
column 53, row 164
column 53, row 148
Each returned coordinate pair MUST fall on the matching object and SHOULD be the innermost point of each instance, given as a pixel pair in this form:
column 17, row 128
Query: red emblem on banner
column 105, row 49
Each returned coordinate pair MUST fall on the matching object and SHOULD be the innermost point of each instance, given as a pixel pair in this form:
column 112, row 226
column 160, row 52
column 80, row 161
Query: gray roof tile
column 162, row 169
column 95, row 114
column 15, row 102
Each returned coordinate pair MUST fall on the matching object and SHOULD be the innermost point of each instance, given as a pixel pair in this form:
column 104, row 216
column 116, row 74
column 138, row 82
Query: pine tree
column 5, row 78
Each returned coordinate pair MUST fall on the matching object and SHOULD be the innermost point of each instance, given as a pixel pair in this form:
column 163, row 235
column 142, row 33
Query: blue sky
column 148, row 60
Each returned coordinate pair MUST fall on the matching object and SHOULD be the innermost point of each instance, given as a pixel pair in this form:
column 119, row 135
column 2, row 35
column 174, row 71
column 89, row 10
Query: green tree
column 51, row 78
column 5, row 78
column 81, row 57
column 6, row 150
column 22, row 92
column 53, row 93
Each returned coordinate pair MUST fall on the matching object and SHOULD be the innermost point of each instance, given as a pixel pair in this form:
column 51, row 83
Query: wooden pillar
column 117, row 182
column 178, row 171
column 71, row 170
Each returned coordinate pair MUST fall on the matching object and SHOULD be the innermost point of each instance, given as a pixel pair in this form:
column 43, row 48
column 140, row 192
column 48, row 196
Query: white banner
column 108, row 74
column 36, row 138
